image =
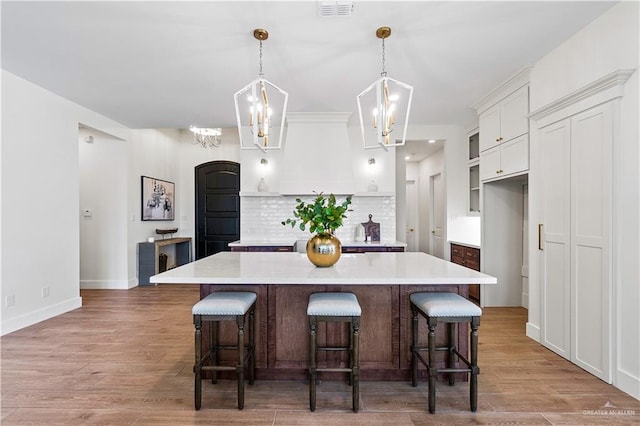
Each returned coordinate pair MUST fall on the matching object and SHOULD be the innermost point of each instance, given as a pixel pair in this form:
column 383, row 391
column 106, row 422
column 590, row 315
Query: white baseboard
column 14, row 324
column 533, row 331
column 628, row 383
column 107, row 284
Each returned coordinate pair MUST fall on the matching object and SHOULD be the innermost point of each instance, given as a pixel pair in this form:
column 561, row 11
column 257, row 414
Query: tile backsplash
column 262, row 216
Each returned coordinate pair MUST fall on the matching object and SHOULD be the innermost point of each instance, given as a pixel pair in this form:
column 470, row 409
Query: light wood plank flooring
column 126, row 358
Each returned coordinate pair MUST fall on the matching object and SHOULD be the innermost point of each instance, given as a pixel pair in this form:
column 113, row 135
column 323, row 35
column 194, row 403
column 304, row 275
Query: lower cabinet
column 370, row 249
column 282, row 330
column 469, row 257
column 263, row 248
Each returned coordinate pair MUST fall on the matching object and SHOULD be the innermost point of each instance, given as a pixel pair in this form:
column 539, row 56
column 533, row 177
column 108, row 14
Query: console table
column 149, row 254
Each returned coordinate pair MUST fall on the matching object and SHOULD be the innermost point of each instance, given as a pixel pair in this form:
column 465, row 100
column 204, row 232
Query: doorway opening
column 217, row 209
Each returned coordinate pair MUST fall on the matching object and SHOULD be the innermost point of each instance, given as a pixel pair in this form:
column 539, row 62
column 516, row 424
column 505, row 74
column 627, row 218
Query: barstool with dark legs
column 335, row 307
column 449, row 308
column 225, row 306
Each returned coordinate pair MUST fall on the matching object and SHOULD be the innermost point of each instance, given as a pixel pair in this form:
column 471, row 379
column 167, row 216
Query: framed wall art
column 158, row 199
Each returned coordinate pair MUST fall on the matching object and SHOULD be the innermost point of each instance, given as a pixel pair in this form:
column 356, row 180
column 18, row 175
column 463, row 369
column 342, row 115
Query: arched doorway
column 217, row 207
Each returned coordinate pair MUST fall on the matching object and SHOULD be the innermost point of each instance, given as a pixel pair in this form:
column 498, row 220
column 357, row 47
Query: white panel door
column 591, row 186
column 412, row 216
column 437, row 216
column 555, row 142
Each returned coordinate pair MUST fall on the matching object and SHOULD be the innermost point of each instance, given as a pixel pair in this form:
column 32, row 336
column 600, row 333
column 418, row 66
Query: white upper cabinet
column 508, row 159
column 505, row 120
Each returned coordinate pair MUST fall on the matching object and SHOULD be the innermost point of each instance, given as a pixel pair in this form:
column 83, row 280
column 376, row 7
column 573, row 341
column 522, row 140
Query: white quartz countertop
column 294, row 268
column 464, row 244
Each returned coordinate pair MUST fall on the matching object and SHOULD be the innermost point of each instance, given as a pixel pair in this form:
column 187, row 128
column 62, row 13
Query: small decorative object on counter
column 371, row 230
column 323, row 216
column 373, row 186
column 164, row 232
column 262, row 185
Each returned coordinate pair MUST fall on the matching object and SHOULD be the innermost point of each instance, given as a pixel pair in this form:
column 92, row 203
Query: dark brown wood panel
column 470, row 258
column 385, row 339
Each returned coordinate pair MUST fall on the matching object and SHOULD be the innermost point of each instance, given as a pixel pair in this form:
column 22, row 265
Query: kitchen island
column 382, row 281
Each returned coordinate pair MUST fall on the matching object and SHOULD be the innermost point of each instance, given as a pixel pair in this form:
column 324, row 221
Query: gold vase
column 324, row 249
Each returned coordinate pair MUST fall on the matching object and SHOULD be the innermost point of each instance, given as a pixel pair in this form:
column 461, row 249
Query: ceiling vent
column 329, row 9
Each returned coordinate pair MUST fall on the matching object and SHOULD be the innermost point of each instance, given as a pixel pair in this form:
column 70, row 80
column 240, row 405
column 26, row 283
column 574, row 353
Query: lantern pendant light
column 260, row 105
column 384, row 107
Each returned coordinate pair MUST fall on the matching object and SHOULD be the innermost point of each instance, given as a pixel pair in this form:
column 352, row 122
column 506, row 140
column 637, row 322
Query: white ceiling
column 172, row 64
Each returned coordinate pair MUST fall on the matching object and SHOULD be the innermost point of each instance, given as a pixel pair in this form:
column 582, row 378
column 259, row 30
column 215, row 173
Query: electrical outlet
column 10, row 300
column 45, row 292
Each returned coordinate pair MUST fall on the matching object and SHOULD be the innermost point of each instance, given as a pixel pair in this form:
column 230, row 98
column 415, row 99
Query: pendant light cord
column 261, row 74
column 384, row 71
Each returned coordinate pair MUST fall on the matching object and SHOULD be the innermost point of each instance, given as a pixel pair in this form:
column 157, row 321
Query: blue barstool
column 335, row 307
column 449, row 308
column 225, row 306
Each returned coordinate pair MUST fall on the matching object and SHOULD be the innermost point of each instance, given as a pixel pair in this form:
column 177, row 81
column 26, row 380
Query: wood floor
column 126, row 358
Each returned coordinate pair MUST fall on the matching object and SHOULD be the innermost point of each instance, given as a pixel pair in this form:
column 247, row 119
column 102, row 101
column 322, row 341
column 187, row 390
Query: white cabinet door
column 591, row 187
column 576, row 185
column 489, row 122
column 514, row 157
column 555, row 191
column 505, row 159
column 505, row 120
column 490, row 164
column 514, row 114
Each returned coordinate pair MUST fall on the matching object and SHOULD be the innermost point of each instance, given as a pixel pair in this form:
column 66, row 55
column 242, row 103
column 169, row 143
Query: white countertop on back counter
column 380, row 268
column 477, row 246
column 346, row 243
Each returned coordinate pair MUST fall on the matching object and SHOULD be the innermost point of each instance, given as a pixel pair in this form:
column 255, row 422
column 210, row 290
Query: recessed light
column 431, row 141
column 407, row 157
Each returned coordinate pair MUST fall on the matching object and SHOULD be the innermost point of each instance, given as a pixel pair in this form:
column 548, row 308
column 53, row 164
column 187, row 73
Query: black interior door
column 217, row 206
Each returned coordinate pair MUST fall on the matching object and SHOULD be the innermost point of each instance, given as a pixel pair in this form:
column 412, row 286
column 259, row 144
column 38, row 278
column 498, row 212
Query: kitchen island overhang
column 283, row 282
column 404, row 268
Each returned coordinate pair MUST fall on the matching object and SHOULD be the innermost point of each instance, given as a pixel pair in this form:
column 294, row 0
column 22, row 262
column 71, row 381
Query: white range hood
column 317, row 154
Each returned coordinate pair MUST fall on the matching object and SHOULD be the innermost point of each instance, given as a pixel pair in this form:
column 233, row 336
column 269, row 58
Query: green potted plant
column 323, row 215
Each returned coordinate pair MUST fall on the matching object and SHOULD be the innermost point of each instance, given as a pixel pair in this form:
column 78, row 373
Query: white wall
column 452, row 163
column 40, row 200
column 608, row 44
column 172, row 155
column 428, row 167
column 191, row 155
column 103, row 218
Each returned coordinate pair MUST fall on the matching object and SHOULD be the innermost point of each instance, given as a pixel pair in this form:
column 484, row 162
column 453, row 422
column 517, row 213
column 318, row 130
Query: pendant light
column 260, row 106
column 383, row 106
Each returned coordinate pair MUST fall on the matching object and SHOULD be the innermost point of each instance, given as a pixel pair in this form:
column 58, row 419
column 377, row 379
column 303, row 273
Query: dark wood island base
column 282, row 339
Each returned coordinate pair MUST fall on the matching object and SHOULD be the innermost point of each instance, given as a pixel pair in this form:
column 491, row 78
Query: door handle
column 540, row 225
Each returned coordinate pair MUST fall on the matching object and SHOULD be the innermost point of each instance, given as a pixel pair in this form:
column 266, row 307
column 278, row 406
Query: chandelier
column 386, row 102
column 207, row 137
column 259, row 106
